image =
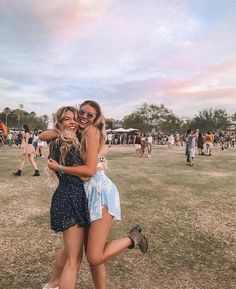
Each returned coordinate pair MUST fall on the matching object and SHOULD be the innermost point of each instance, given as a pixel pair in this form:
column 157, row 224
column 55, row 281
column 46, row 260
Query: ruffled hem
column 68, row 225
column 116, row 216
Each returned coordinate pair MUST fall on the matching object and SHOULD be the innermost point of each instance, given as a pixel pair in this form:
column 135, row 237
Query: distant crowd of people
column 17, row 138
column 143, row 142
column 172, row 139
column 204, row 143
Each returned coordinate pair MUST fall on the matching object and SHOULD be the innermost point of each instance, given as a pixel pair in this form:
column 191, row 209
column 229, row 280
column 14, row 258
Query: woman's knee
column 23, row 157
column 94, row 260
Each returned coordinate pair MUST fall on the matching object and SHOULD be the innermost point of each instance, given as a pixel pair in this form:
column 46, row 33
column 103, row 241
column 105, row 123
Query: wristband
column 61, row 169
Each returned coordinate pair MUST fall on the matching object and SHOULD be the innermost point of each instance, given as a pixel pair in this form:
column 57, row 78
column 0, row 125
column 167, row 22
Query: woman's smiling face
column 69, row 121
column 87, row 115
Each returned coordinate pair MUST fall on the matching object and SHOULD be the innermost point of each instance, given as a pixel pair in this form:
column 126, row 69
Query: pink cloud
column 217, row 82
column 64, row 20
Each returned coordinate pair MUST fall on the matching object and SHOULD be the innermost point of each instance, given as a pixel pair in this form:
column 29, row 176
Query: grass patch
column 188, row 215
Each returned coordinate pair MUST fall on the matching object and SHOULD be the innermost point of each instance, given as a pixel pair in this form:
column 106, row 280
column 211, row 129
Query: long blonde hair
column 66, row 144
column 99, row 123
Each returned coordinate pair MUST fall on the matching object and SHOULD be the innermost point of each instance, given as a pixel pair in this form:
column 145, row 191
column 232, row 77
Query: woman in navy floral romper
column 69, row 202
column 69, row 207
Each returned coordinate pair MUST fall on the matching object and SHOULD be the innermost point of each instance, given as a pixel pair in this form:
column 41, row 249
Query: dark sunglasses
column 87, row 114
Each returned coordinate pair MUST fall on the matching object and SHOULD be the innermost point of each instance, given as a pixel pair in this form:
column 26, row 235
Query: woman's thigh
column 24, row 157
column 73, row 241
column 31, row 157
column 98, row 234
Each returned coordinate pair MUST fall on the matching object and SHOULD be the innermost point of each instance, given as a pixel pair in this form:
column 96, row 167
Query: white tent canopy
column 132, row 129
column 121, row 130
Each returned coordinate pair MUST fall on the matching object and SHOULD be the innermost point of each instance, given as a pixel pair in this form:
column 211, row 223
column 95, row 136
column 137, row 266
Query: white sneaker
column 46, row 286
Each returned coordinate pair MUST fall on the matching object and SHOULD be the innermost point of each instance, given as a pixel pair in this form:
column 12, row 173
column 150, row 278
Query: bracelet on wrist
column 61, row 169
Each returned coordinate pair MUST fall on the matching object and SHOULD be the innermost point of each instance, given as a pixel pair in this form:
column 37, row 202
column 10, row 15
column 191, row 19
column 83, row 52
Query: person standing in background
column 28, row 153
column 137, row 143
column 149, row 144
column 35, row 140
column 209, row 143
column 200, row 143
column 109, row 138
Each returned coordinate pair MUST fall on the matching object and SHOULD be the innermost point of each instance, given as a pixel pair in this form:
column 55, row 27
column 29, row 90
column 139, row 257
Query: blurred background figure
column 28, row 153
column 200, row 143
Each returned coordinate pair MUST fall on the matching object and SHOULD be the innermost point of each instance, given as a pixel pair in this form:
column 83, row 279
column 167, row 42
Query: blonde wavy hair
column 66, row 142
column 99, row 123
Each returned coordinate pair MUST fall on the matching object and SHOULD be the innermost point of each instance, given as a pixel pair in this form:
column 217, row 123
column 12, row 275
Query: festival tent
column 3, row 128
column 121, row 129
column 132, row 129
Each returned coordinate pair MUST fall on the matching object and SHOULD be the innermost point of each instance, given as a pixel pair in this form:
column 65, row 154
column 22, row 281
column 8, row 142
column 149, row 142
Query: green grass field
column 188, row 214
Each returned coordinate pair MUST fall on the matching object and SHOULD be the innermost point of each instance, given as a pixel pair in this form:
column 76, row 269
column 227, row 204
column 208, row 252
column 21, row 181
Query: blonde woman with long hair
column 69, row 207
column 103, row 198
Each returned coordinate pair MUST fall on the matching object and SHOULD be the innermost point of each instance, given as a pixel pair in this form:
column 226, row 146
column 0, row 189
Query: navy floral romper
column 69, row 205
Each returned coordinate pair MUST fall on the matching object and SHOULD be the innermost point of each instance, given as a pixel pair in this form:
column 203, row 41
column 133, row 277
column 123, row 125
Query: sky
column 180, row 53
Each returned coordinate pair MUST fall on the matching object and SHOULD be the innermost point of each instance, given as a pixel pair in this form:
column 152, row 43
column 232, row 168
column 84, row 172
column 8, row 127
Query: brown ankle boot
column 18, row 173
column 136, row 227
column 138, row 239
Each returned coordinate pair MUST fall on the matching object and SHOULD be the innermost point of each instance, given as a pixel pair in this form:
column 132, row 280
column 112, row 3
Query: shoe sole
column 145, row 251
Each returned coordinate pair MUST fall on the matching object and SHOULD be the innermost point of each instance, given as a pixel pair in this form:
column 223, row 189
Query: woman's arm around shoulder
column 89, row 169
column 48, row 135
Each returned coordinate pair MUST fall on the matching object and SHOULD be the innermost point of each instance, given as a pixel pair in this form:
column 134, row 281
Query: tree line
column 148, row 117
column 15, row 118
column 152, row 117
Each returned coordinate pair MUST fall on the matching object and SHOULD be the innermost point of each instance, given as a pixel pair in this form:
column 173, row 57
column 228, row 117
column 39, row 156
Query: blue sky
column 120, row 53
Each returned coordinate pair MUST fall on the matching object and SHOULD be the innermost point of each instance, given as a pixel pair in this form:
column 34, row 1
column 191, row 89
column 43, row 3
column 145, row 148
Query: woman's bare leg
column 32, row 161
column 98, row 271
column 22, row 162
column 99, row 250
column 99, row 276
column 73, row 242
column 58, row 268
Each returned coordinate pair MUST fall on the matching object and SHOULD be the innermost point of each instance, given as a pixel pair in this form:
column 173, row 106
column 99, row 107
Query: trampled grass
column 188, row 215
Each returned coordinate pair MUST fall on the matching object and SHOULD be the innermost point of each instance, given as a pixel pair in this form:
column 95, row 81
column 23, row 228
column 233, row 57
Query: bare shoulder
column 93, row 131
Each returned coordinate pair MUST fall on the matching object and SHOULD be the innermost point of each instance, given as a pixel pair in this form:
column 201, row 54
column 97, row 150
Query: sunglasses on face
column 87, row 114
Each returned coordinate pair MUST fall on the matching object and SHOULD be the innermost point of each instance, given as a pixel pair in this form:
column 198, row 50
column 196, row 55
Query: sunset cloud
column 119, row 53
column 218, row 82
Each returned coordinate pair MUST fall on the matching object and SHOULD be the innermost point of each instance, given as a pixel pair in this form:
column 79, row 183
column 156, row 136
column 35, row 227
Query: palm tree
column 19, row 113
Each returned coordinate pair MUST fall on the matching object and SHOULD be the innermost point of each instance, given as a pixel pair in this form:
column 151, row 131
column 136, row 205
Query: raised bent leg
column 99, row 250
